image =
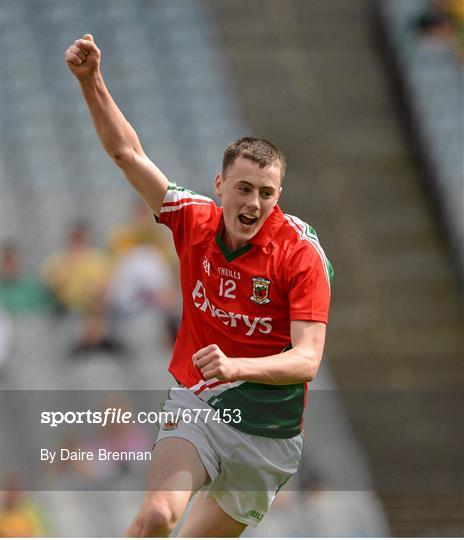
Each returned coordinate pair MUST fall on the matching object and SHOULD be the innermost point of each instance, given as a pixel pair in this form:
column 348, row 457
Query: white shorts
column 246, row 471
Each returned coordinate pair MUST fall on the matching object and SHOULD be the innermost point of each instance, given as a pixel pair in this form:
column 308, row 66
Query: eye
column 266, row 194
column 243, row 189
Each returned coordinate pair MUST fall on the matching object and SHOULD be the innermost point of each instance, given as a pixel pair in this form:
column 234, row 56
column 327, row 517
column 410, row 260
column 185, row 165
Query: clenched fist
column 83, row 58
column 214, row 364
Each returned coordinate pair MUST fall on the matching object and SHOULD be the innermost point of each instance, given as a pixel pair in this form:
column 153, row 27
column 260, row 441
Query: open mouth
column 247, row 219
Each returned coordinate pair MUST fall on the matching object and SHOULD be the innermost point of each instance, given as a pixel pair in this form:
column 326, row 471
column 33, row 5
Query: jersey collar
column 270, row 228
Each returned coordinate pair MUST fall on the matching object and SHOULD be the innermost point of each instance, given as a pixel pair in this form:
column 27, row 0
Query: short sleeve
column 185, row 212
column 309, row 277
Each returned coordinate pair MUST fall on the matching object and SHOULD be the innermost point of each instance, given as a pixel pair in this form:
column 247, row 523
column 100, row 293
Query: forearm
column 290, row 367
column 115, row 133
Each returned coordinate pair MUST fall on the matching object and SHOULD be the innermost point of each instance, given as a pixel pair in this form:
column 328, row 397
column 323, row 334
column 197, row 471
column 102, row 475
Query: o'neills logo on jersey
column 260, row 324
column 260, row 290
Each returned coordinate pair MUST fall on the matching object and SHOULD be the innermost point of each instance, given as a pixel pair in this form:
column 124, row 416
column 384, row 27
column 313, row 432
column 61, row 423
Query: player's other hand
column 83, row 58
column 214, row 364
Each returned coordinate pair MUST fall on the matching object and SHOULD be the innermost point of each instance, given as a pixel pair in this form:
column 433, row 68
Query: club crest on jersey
column 260, row 290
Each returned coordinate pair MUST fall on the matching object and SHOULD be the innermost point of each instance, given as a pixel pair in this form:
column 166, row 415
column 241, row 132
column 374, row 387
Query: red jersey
column 244, row 301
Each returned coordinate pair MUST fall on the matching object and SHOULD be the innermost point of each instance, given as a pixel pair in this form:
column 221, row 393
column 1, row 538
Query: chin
column 248, row 235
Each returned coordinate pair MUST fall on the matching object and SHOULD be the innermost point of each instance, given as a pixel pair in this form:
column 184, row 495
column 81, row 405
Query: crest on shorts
column 169, row 426
column 260, row 290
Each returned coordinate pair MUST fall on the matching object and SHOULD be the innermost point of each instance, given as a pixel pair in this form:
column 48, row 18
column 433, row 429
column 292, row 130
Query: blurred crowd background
column 365, row 98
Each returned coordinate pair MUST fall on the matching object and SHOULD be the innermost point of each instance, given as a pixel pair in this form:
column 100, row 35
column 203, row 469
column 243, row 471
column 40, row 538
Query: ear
column 278, row 196
column 218, row 185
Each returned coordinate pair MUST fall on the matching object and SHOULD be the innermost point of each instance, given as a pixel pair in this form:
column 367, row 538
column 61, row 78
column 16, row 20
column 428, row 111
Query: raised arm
column 115, row 133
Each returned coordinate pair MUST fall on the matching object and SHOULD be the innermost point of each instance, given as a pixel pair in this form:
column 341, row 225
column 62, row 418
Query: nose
column 253, row 202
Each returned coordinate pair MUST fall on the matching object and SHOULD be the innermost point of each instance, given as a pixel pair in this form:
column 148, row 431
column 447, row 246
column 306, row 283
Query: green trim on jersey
column 231, row 255
column 172, row 186
column 266, row 410
column 311, row 233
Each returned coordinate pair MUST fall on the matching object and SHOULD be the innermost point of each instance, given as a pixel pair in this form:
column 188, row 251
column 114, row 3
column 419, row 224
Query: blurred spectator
column 142, row 281
column 78, row 274
column 79, row 277
column 455, row 10
column 434, row 22
column 20, row 293
column 141, row 230
column 20, row 516
column 96, row 338
column 67, row 468
column 113, row 437
column 442, row 21
column 119, row 437
column 142, row 284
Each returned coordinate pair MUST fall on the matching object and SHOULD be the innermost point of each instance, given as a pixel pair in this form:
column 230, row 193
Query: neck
column 232, row 245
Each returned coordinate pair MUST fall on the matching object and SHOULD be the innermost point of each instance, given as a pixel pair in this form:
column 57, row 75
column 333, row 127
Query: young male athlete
column 256, row 290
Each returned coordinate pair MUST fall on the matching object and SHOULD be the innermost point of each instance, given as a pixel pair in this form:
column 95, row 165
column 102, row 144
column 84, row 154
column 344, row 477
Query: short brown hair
column 256, row 149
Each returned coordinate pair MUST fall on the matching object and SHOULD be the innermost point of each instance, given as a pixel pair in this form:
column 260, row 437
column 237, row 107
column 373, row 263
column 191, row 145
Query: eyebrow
column 272, row 188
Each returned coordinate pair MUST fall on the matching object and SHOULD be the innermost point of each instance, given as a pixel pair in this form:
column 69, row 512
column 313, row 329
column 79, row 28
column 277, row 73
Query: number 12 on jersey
column 227, row 288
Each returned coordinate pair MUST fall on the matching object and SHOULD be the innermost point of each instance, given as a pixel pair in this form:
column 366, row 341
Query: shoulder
column 187, row 214
column 297, row 235
column 301, row 245
column 184, row 202
column 178, row 197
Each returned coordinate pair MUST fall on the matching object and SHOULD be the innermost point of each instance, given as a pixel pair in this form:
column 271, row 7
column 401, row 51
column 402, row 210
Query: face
column 248, row 194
